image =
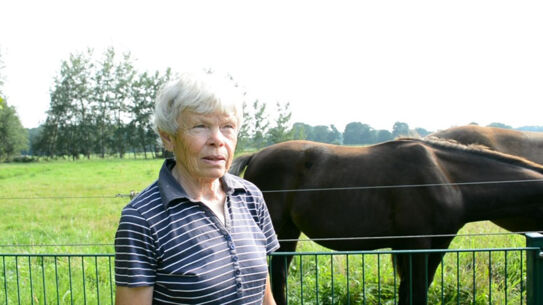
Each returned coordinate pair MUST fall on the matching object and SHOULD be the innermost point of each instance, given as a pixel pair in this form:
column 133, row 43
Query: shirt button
column 227, row 237
column 237, row 272
column 238, row 285
column 231, row 244
column 235, row 258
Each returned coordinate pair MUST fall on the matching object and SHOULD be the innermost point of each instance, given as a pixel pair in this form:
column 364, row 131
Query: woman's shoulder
column 142, row 200
column 238, row 183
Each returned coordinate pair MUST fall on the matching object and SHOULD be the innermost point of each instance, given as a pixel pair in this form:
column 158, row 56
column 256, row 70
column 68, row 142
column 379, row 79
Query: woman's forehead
column 188, row 115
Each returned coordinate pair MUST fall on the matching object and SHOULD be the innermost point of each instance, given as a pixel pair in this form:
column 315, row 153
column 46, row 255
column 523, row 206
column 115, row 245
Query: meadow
column 65, row 207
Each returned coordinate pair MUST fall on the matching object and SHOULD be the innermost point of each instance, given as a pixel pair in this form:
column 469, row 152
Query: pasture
column 71, row 207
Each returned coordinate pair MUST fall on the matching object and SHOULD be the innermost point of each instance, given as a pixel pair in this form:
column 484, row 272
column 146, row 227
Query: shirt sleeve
column 135, row 255
column 265, row 224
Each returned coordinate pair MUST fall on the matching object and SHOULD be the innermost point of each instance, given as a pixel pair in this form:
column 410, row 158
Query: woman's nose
column 216, row 137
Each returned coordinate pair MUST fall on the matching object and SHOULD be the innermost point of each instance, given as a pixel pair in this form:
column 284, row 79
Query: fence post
column 534, row 269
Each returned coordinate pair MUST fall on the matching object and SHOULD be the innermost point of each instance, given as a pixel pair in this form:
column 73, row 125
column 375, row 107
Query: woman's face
column 205, row 143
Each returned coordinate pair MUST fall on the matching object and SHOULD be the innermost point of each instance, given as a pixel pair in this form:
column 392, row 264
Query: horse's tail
column 239, row 164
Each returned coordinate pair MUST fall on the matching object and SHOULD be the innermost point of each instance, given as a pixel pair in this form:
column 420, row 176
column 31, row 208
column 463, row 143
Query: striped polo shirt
column 181, row 248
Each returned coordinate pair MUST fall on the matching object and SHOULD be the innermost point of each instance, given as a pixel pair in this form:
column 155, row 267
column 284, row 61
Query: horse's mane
column 477, row 149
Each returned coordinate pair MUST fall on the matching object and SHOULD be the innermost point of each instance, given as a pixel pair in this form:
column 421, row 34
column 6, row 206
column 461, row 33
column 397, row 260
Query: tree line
column 102, row 106
column 99, row 107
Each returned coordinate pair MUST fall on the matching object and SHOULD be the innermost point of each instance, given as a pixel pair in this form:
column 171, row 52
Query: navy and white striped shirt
column 181, row 248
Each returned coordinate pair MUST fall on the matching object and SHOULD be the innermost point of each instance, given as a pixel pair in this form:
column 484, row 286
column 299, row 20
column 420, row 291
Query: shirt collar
column 172, row 191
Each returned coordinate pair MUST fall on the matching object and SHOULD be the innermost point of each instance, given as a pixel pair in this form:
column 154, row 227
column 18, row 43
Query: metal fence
column 467, row 276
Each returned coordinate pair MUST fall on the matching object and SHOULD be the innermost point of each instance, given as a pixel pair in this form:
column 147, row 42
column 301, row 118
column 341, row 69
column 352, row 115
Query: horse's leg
column 412, row 271
column 417, row 273
column 279, row 264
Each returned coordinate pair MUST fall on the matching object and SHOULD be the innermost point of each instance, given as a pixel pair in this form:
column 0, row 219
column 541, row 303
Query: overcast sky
column 431, row 64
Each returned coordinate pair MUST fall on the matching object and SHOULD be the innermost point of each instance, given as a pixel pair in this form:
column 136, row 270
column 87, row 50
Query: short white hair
column 202, row 93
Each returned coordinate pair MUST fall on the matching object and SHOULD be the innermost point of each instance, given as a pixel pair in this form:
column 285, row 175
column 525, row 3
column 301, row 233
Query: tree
column 302, row 131
column 422, row 132
column 281, row 132
column 124, row 76
column 335, row 136
column 244, row 133
column 351, row 134
column 102, row 101
column 383, row 135
column 400, row 129
column 499, row 125
column 143, row 92
column 13, row 136
column 69, row 115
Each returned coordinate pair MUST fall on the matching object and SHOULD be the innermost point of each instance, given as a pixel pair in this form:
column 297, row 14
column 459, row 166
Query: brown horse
column 525, row 144
column 402, row 187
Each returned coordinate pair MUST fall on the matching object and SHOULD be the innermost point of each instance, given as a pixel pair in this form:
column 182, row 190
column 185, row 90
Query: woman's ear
column 167, row 140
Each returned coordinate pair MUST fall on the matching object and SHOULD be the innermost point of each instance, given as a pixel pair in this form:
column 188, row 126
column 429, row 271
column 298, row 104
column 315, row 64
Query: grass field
column 64, row 202
column 72, row 207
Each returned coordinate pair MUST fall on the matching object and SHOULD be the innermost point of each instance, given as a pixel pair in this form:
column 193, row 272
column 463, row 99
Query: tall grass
column 65, row 207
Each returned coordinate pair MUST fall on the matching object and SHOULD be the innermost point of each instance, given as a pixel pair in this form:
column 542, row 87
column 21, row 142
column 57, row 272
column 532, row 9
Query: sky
column 431, row 64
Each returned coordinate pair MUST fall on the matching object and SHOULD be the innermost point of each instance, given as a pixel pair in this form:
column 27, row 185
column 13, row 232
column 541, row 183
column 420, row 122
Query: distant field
column 66, row 202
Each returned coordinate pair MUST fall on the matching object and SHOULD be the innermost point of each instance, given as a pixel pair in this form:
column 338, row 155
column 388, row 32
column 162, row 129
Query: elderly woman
column 197, row 235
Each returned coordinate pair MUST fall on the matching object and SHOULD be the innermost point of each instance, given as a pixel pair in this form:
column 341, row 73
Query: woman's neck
column 198, row 189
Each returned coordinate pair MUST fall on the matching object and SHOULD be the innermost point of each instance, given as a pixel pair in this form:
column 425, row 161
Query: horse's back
column 528, row 145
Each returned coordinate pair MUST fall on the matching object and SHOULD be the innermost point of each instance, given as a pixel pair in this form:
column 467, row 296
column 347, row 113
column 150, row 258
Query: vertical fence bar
column 97, row 281
column 348, row 282
column 316, row 279
column 83, row 275
column 111, row 281
column 457, row 277
column 5, row 278
column 426, row 275
column 30, row 275
column 17, row 276
column 442, row 281
column 70, row 276
column 489, row 277
column 534, row 269
column 364, row 279
column 378, row 278
column 332, row 275
column 521, row 276
column 474, row 277
column 56, row 279
column 43, row 280
column 394, row 262
column 301, row 280
column 410, row 279
column 505, row 277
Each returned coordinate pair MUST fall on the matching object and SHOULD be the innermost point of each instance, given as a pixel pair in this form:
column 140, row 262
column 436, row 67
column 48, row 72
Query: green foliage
column 400, row 129
column 13, row 137
column 281, row 131
column 358, row 133
column 371, row 278
column 499, row 125
column 99, row 107
column 320, row 133
column 256, row 133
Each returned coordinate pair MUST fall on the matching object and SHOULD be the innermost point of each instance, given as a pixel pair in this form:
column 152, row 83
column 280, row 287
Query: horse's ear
column 168, row 140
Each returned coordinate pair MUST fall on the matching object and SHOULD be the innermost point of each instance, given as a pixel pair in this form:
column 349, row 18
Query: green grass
column 64, row 202
column 60, row 203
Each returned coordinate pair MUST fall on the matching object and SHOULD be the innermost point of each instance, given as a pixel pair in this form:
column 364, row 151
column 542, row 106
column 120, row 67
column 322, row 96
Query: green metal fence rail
column 465, row 276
